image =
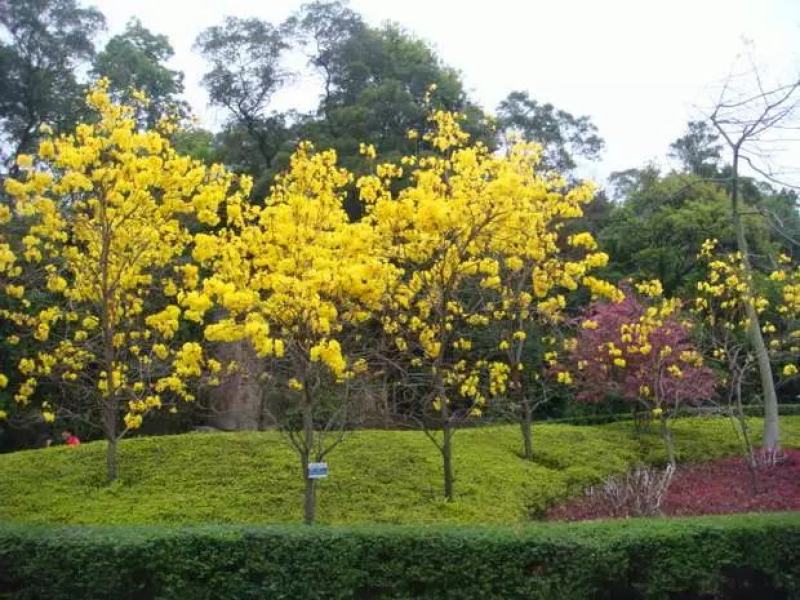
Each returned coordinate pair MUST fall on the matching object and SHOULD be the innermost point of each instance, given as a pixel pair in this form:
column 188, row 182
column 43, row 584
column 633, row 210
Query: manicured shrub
column 747, row 556
column 387, row 477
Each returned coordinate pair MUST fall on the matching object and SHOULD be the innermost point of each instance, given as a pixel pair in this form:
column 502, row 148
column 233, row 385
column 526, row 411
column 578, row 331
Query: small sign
column 317, row 470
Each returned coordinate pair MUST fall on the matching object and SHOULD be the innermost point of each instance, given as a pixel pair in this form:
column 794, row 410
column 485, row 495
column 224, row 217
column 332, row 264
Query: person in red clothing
column 70, row 439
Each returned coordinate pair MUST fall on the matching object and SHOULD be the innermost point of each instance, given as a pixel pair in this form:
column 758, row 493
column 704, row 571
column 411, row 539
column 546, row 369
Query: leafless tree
column 752, row 118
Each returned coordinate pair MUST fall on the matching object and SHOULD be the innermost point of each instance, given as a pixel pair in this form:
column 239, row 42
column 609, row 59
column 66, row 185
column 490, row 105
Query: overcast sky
column 640, row 68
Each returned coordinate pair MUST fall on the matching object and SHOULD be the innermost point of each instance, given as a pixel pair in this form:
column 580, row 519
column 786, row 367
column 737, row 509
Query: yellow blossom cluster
column 477, row 240
column 293, row 277
column 651, row 288
column 108, row 213
column 722, row 297
column 724, row 292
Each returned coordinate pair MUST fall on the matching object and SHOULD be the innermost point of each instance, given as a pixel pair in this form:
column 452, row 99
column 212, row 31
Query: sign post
column 317, row 470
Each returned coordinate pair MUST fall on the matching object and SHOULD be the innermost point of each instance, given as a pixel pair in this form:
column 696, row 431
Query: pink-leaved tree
column 641, row 350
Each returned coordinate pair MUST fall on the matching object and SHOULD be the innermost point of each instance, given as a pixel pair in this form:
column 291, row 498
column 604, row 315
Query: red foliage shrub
column 718, row 487
column 726, row 486
column 656, row 360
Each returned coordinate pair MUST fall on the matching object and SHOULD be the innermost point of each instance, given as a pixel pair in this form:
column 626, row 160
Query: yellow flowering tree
column 531, row 301
column 9, row 269
column 100, row 281
column 297, row 280
column 725, row 299
column 476, row 237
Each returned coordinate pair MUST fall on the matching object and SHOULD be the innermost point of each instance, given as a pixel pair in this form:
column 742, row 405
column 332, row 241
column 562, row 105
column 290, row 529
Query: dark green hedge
column 745, row 556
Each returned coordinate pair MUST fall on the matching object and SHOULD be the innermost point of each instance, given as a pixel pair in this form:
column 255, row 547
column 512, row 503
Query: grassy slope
column 376, row 476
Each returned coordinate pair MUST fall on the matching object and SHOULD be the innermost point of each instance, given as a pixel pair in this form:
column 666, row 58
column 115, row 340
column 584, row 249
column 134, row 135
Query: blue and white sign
column 317, row 470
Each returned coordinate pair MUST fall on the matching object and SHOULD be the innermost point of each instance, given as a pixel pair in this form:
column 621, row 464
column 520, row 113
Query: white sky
column 640, row 68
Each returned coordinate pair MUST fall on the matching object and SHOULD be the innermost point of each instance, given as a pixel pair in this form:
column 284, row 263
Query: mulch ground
column 718, row 487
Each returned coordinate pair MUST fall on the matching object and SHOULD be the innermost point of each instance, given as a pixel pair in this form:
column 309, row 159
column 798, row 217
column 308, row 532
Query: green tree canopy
column 657, row 230
column 564, row 137
column 246, row 71
column 698, row 150
column 42, row 42
column 135, row 59
column 376, row 84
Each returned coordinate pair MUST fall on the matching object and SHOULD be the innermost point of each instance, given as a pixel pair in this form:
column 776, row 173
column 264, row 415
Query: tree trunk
column 309, row 497
column 111, row 460
column 447, row 459
column 447, row 439
column 239, row 401
column 110, row 430
column 526, row 425
column 748, row 444
column 771, row 424
column 666, row 434
column 771, row 419
column 525, row 414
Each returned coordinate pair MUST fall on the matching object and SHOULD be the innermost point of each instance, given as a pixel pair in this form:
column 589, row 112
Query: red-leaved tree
column 642, row 351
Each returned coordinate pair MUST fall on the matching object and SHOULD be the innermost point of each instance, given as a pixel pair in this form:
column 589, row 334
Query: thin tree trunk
column 525, row 415
column 111, row 460
column 447, row 459
column 309, row 496
column 110, row 430
column 748, row 444
column 771, row 423
column 526, row 425
column 743, row 427
column 447, row 441
column 109, row 400
column 666, row 434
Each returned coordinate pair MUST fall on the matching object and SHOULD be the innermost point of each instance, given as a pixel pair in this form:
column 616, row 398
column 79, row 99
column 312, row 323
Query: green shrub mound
column 375, row 476
column 742, row 556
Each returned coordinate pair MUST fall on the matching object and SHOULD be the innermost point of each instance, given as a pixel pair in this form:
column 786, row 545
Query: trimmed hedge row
column 743, row 556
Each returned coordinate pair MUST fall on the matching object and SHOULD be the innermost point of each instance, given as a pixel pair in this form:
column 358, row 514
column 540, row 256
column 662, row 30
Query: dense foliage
column 730, row 557
column 375, row 476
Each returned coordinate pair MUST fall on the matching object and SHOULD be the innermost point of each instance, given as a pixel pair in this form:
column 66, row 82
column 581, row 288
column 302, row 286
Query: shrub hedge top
column 755, row 555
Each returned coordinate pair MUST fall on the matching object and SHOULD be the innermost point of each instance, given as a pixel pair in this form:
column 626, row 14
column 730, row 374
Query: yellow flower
column 367, row 150
column 25, row 161
column 15, row 291
column 650, row 288
column 133, row 421
column 675, row 371
column 583, row 240
column 330, row 353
